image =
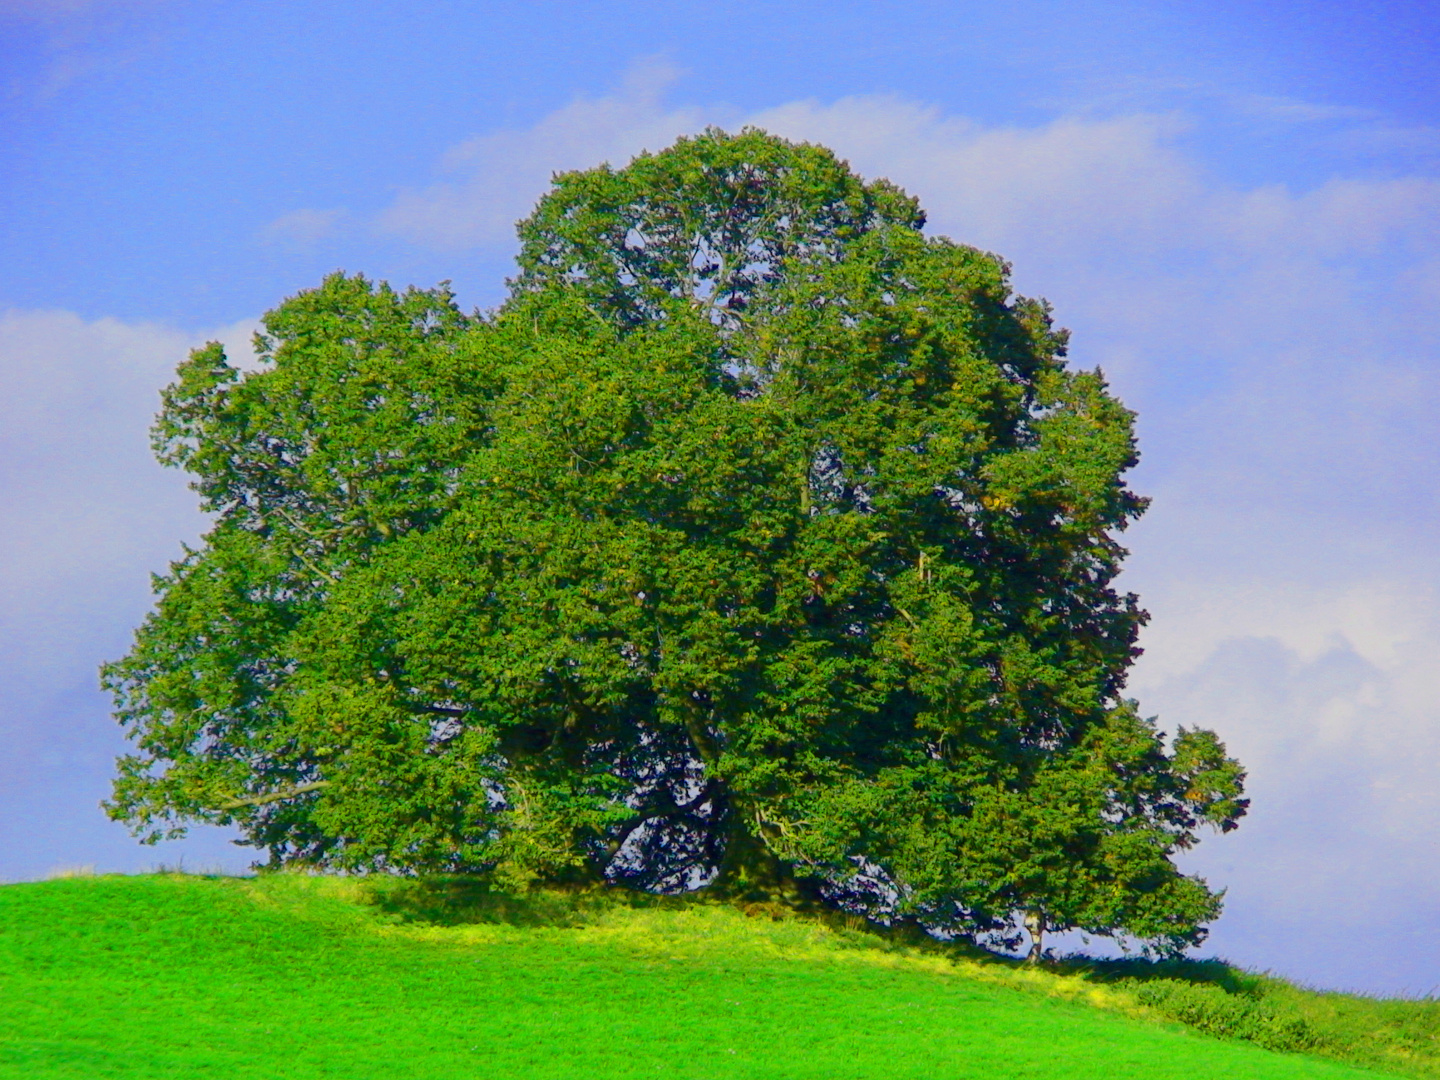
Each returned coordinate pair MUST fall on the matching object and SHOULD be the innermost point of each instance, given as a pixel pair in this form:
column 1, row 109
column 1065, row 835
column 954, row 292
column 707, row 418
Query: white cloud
column 1067, row 184
column 1330, row 700
column 88, row 516
column 497, row 177
column 1078, row 190
column 54, row 9
column 1329, row 695
column 80, row 39
column 302, row 229
column 1342, row 217
column 88, row 512
column 87, row 509
column 1294, row 111
column 1378, row 620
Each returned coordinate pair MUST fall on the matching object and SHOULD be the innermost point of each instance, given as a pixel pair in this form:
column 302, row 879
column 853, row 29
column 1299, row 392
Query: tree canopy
column 757, row 542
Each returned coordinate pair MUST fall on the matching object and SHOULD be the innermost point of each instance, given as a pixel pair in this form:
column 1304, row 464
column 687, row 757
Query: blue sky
column 1234, row 206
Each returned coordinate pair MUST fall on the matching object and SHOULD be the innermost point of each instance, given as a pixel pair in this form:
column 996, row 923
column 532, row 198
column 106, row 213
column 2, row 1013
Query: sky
column 1234, row 206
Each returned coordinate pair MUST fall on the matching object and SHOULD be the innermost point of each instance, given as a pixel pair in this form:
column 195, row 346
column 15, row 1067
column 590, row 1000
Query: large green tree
column 758, row 541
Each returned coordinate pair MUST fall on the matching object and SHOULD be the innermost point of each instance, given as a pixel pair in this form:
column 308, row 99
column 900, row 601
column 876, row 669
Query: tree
column 757, row 540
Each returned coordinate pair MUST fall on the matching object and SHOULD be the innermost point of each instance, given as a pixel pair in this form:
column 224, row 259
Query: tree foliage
column 757, row 541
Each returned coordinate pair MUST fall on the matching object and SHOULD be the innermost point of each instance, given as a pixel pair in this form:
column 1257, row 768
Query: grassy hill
column 290, row 976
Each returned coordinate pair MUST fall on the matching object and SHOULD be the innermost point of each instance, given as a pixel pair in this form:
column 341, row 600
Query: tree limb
column 274, row 796
column 661, row 805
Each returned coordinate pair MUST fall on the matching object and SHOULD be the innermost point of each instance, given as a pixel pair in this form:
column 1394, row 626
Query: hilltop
column 294, row 976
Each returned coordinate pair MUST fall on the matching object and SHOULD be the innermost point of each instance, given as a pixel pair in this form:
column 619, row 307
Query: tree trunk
column 749, row 870
column 1035, row 927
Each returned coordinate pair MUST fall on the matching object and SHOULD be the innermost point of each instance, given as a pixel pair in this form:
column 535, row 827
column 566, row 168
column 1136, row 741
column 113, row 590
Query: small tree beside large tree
column 757, row 542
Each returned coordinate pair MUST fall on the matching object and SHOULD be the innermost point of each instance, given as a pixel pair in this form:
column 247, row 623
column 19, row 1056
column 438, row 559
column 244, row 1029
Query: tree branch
column 274, row 796
column 661, row 805
column 700, row 736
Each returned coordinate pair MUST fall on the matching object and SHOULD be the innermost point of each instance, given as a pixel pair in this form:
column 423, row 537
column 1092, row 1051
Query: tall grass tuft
column 1398, row 1035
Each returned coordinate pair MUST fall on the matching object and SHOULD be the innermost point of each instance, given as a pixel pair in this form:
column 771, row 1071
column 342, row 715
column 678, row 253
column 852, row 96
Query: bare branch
column 274, row 796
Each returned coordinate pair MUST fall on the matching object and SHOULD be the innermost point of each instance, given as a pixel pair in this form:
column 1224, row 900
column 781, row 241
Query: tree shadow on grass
column 1210, row 972
column 462, row 901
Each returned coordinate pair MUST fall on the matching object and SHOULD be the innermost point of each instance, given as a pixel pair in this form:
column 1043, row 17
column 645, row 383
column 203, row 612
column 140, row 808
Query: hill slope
column 172, row 976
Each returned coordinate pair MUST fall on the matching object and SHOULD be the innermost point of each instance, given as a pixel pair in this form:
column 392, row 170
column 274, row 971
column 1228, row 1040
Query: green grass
column 288, row 976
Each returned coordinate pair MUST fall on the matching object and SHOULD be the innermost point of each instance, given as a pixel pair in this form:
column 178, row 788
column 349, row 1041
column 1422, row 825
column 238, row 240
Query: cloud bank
column 494, row 179
column 88, row 516
column 301, row 230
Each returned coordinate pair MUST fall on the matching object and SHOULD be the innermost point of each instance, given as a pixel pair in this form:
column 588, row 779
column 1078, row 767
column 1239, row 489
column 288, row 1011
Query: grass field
column 290, row 976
